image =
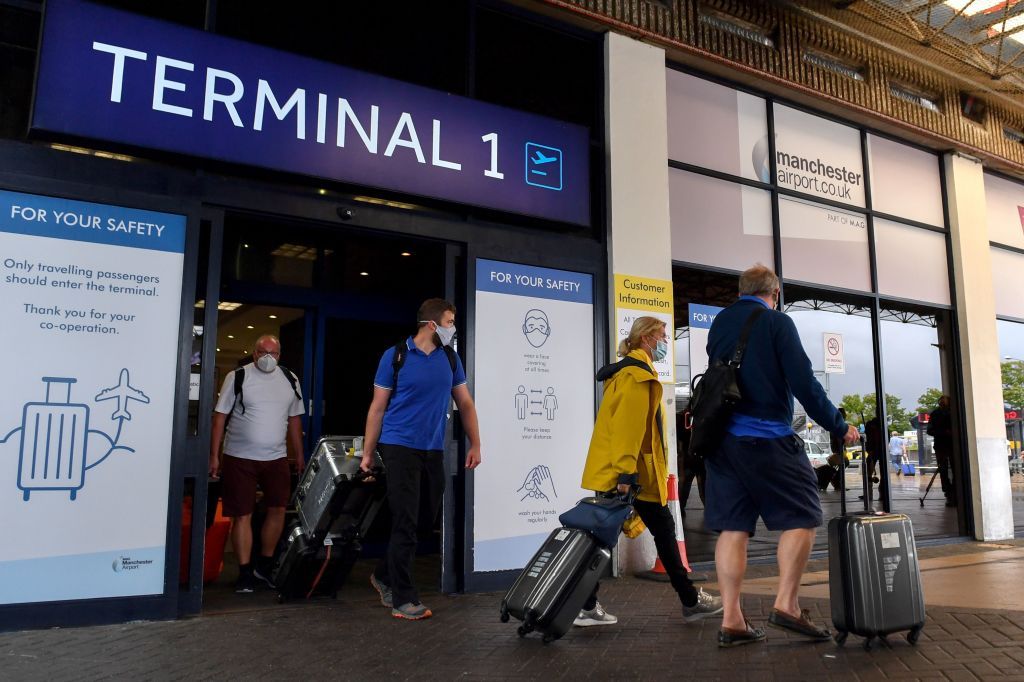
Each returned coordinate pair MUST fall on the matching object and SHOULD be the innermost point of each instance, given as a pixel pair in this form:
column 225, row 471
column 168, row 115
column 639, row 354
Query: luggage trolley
column 53, row 442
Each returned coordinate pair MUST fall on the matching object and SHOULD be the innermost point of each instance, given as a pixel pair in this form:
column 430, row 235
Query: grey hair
column 758, row 280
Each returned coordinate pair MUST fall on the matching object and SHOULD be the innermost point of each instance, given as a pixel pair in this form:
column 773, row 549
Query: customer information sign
column 111, row 75
column 90, row 296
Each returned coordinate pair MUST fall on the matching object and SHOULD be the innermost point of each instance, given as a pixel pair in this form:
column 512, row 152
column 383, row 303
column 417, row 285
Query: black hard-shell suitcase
column 549, row 593
column 304, row 569
column 317, row 559
column 874, row 576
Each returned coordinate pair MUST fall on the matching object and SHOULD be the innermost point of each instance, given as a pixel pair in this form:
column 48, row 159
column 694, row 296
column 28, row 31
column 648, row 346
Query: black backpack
column 715, row 394
column 240, row 380
column 398, row 360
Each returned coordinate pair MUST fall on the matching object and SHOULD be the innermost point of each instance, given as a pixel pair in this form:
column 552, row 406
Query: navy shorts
column 767, row 477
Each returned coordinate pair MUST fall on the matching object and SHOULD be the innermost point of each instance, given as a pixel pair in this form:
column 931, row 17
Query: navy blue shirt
column 418, row 410
column 775, row 367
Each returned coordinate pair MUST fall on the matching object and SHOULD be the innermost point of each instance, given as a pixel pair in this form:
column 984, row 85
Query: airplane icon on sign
column 541, row 159
column 123, row 392
column 543, row 166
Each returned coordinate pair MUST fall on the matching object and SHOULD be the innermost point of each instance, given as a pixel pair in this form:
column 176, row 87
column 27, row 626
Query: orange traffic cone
column 658, row 572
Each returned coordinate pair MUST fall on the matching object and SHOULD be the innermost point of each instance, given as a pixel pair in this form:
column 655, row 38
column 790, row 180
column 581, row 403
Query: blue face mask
column 660, row 350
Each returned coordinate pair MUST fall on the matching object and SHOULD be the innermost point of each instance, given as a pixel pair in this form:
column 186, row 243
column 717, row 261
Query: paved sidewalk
column 355, row 637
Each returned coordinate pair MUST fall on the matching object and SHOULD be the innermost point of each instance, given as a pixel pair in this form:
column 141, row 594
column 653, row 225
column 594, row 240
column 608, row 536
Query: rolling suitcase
column 549, row 593
column 874, row 577
column 333, row 492
column 52, row 453
column 305, row 569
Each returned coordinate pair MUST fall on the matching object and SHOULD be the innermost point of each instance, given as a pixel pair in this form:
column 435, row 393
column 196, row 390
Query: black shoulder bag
column 715, row 394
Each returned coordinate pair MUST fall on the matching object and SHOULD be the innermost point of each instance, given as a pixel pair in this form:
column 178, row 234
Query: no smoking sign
column 835, row 361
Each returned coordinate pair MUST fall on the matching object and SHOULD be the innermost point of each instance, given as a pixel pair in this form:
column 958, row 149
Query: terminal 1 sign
column 109, row 75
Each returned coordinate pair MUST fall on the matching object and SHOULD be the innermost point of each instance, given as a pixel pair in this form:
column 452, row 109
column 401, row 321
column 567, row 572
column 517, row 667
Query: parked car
column 816, row 453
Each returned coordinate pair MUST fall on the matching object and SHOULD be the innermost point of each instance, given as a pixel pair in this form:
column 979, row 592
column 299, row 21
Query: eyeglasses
column 261, row 353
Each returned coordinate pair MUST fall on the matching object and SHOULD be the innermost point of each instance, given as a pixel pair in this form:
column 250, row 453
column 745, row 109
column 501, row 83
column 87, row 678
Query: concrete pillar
column 639, row 239
column 979, row 344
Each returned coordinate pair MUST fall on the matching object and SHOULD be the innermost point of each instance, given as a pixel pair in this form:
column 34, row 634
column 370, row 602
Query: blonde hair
column 758, row 280
column 642, row 326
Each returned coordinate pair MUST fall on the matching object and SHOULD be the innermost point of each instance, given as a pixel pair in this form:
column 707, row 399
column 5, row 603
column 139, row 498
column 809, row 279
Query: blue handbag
column 602, row 517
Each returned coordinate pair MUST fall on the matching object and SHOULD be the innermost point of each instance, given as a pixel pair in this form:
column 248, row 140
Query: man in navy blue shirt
column 761, row 468
column 406, row 424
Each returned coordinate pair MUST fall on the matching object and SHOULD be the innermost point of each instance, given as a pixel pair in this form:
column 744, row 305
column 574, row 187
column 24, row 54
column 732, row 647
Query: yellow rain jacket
column 627, row 436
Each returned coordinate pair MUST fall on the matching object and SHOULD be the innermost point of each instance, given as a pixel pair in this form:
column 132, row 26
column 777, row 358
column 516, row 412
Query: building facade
column 179, row 180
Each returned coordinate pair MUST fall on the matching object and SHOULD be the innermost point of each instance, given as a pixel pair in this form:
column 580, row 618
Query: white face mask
column 446, row 334
column 267, row 363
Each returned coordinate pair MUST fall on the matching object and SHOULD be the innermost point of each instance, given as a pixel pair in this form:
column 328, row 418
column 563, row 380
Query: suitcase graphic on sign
column 53, row 442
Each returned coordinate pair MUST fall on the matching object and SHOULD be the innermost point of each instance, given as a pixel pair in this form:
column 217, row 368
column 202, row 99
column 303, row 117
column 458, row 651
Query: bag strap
column 741, row 345
column 239, row 380
column 398, row 360
column 292, row 381
column 608, row 371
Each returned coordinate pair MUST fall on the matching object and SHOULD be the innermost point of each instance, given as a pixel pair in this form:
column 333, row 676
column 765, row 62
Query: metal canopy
column 981, row 41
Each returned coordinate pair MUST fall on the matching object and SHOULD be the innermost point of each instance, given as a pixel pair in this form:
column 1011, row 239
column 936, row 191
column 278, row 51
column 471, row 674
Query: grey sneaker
column 595, row 616
column 410, row 611
column 383, row 590
column 707, row 605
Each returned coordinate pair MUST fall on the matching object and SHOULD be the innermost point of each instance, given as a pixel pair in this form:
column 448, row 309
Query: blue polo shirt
column 418, row 410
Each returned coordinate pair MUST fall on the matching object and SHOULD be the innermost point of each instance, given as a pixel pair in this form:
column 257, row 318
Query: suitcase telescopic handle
column 66, row 381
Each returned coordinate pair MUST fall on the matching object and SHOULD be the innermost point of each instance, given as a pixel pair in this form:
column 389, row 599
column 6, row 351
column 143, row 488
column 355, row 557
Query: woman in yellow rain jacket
column 628, row 448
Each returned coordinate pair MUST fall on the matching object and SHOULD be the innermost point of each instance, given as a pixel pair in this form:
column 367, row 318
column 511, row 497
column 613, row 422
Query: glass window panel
column 1004, row 201
column 817, row 156
column 911, row 262
column 905, row 181
column 1006, row 269
column 824, row 245
column 1011, row 349
column 715, row 222
column 713, row 126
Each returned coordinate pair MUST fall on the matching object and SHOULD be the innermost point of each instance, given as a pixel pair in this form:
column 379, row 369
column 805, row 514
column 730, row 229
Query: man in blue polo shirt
column 761, row 468
column 406, row 424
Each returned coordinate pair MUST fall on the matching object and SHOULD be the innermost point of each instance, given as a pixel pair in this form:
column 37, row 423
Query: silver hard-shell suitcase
column 874, row 577
column 549, row 593
column 331, row 476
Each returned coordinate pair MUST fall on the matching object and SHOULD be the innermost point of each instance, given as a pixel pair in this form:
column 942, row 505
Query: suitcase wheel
column 913, row 636
column 522, row 631
column 841, row 637
column 548, row 638
column 869, row 642
column 504, row 616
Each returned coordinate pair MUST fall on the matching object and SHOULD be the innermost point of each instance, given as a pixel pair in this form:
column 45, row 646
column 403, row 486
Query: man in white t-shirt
column 897, row 452
column 265, row 418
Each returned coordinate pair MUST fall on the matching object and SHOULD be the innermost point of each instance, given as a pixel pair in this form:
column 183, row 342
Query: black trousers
column 408, row 470
column 944, row 461
column 658, row 520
